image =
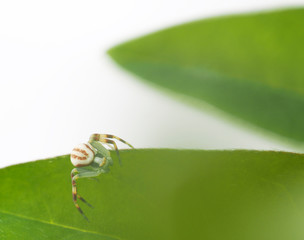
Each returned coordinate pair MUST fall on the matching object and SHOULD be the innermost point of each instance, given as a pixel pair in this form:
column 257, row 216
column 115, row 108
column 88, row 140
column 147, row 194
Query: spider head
column 82, row 155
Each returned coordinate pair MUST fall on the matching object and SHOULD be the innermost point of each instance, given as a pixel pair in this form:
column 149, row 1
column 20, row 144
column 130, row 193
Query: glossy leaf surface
column 159, row 194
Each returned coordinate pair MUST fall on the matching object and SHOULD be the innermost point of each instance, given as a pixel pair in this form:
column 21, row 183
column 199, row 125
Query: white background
column 57, row 85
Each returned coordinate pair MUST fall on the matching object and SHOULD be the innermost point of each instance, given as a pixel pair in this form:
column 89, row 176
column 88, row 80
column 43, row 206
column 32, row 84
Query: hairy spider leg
column 97, row 137
column 74, row 176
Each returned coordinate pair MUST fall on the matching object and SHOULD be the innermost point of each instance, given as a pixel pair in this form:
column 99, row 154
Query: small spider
column 91, row 159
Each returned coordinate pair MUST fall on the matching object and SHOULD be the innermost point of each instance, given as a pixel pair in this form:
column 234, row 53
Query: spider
column 90, row 160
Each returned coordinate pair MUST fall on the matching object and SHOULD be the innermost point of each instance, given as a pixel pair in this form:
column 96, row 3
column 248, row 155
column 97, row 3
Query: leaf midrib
column 59, row 225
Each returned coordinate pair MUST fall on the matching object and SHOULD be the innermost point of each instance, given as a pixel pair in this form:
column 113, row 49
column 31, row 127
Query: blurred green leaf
column 250, row 66
column 159, row 194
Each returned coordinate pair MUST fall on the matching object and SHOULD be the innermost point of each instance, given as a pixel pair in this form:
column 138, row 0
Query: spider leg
column 101, row 149
column 74, row 192
column 75, row 175
column 103, row 162
column 74, row 187
column 105, row 140
column 110, row 146
column 97, row 137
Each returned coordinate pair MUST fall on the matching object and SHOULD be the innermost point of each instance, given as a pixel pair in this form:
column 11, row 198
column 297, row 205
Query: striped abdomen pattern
column 82, row 155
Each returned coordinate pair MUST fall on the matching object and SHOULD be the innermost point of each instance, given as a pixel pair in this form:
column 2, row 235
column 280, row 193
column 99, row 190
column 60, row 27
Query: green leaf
column 159, row 194
column 250, row 66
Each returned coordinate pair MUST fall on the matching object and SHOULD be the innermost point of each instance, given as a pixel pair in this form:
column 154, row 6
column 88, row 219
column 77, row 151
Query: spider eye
column 82, row 155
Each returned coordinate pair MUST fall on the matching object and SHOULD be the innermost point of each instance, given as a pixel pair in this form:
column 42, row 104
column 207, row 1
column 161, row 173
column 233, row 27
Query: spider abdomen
column 82, row 155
